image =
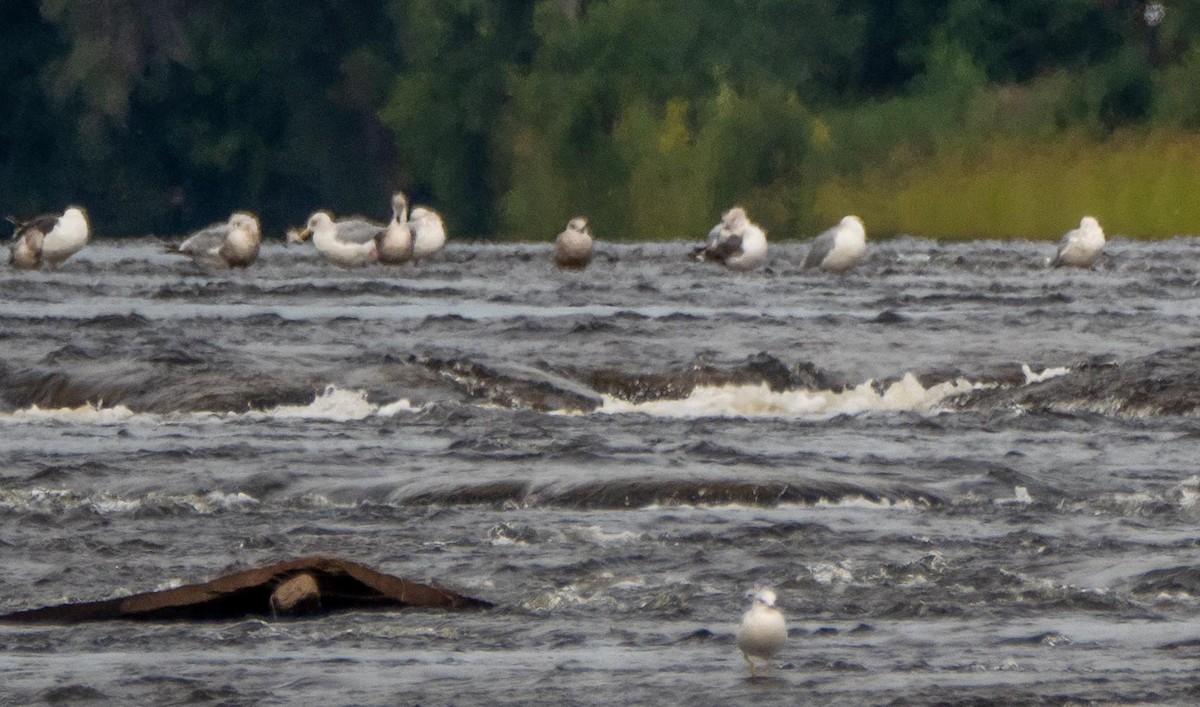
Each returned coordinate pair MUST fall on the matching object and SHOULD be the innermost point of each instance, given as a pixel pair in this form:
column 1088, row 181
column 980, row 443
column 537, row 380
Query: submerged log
column 306, row 586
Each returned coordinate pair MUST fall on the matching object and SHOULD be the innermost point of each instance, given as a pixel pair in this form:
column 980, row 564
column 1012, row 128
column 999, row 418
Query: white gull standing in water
column 735, row 242
column 1081, row 246
column 233, row 244
column 429, row 233
column 48, row 238
column 341, row 245
column 573, row 247
column 395, row 242
column 762, row 632
column 840, row 248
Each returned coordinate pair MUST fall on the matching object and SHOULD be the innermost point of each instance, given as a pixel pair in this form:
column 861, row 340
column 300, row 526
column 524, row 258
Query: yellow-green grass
column 1140, row 184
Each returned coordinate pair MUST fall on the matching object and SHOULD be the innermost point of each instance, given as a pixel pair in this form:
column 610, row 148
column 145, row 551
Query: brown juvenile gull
column 233, row 244
column 573, row 247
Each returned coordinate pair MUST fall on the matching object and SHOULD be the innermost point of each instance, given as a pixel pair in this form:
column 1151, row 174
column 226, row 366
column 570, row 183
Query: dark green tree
column 444, row 107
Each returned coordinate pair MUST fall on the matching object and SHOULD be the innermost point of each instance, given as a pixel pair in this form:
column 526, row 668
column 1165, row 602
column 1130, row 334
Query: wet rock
column 759, row 369
column 1008, row 374
column 639, row 493
column 515, row 385
column 1184, row 579
column 1163, row 383
column 889, row 316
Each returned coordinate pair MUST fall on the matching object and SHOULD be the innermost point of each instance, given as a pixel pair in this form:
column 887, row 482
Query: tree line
column 510, row 116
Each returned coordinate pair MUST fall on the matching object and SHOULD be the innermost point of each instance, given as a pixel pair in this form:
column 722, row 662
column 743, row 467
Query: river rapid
column 969, row 478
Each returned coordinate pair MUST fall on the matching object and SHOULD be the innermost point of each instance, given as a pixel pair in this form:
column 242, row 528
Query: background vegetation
column 949, row 118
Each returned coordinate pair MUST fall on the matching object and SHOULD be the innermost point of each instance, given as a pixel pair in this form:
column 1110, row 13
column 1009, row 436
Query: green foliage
column 759, row 146
column 648, row 116
column 37, row 146
column 1138, row 185
column 1179, row 92
column 1017, row 39
column 652, row 117
column 443, row 108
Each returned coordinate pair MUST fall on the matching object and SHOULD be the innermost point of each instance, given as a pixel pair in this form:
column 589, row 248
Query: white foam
column 1184, row 496
column 229, row 501
column 1046, row 374
column 826, row 573
column 1187, row 492
column 393, row 409
column 89, row 413
column 1020, row 496
column 906, row 394
column 333, row 404
column 864, row 502
column 172, row 583
column 104, row 504
column 107, row 506
column 595, row 534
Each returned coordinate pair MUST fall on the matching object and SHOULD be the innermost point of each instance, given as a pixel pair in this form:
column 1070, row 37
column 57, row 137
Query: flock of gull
column 411, row 236
column 735, row 242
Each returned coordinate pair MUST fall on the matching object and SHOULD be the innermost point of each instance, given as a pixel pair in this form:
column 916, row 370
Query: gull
column 48, row 238
column 233, row 244
column 735, row 242
column 429, row 233
column 573, row 247
column 355, row 228
column 762, row 632
column 341, row 244
column 840, row 248
column 1081, row 246
column 395, row 242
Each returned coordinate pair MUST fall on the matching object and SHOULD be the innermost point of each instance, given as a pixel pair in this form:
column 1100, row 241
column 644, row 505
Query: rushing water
column 969, row 478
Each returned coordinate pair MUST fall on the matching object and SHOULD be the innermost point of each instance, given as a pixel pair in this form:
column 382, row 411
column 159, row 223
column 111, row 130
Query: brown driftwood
column 297, row 596
column 278, row 589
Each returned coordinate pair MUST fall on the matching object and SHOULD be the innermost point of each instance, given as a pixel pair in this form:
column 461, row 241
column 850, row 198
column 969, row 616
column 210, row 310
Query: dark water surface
column 969, row 478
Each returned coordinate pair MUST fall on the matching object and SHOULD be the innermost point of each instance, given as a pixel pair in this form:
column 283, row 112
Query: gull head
column 764, row 596
column 399, row 205
column 243, row 221
column 734, row 219
column 854, row 225
column 319, row 220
